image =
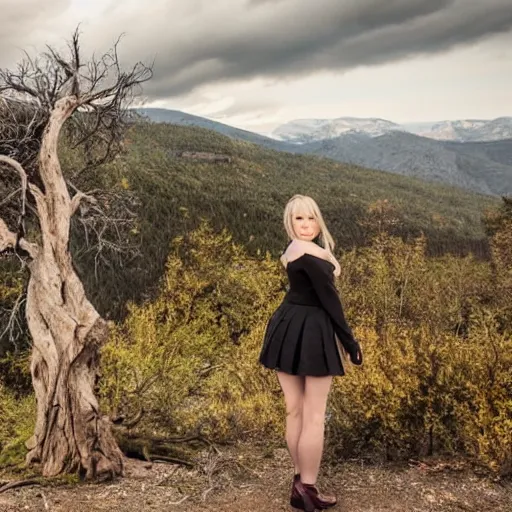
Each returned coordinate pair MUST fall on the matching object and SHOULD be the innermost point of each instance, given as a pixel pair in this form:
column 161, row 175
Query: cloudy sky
column 257, row 64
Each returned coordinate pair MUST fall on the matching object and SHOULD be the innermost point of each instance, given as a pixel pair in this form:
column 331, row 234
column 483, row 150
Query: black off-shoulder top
column 312, row 282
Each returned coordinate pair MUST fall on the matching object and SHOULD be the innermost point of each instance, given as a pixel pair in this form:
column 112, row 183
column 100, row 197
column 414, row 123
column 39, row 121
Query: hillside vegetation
column 191, row 299
column 170, row 195
column 481, row 167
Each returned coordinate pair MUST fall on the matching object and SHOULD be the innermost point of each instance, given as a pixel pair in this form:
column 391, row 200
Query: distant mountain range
column 484, row 167
column 302, row 131
column 481, row 165
column 469, row 130
column 162, row 115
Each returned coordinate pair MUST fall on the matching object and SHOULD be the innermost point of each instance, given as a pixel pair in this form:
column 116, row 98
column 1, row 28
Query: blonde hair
column 308, row 206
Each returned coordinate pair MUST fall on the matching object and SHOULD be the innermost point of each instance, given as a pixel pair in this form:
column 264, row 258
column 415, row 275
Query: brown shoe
column 300, row 498
column 296, row 477
column 321, row 501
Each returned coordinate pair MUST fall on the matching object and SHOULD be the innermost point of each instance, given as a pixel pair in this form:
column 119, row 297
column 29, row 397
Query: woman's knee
column 294, row 410
column 313, row 418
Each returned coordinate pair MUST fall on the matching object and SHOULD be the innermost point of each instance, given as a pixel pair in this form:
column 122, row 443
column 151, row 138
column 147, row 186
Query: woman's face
column 305, row 226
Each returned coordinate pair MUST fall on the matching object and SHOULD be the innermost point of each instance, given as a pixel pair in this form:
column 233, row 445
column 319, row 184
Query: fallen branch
column 149, row 449
column 157, row 448
column 207, row 441
column 158, row 439
column 179, row 501
column 19, row 483
column 172, row 460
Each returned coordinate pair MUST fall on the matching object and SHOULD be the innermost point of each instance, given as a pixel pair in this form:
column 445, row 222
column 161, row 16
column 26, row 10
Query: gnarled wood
column 70, row 433
column 68, row 332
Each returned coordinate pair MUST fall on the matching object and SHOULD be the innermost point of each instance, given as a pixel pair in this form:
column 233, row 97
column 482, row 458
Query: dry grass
column 243, row 479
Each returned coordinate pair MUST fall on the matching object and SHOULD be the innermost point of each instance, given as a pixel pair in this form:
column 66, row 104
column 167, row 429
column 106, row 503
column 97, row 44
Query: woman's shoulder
column 299, row 248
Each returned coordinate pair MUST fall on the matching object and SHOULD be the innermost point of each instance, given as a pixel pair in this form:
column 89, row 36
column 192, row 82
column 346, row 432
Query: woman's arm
column 323, row 284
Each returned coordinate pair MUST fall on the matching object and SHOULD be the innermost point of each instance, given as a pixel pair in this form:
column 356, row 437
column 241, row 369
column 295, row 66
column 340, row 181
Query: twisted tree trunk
column 70, row 433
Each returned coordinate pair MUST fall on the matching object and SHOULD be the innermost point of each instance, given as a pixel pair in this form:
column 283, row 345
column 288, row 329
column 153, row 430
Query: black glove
column 356, row 355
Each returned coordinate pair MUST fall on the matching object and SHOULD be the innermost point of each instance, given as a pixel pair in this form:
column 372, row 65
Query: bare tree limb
column 135, row 420
column 101, row 88
column 9, row 328
column 22, row 124
column 23, row 175
column 77, row 198
column 19, row 483
column 7, row 238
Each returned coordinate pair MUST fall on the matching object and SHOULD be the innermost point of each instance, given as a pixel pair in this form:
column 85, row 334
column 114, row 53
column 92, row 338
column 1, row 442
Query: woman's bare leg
column 311, row 442
column 293, row 389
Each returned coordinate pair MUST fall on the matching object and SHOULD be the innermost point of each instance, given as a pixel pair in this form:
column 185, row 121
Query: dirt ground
column 238, row 479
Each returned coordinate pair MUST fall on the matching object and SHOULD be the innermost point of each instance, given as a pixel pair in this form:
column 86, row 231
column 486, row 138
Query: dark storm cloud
column 196, row 42
column 293, row 38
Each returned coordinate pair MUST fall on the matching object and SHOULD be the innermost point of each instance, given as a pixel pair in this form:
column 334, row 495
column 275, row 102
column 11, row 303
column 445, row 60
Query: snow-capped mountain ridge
column 310, row 130
column 303, row 131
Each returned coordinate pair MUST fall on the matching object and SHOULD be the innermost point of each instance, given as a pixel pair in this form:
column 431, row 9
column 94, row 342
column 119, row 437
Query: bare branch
column 19, row 241
column 10, row 327
column 21, row 128
column 101, row 88
column 78, row 197
column 10, row 196
column 107, row 224
column 23, row 175
column 135, row 420
column 7, row 238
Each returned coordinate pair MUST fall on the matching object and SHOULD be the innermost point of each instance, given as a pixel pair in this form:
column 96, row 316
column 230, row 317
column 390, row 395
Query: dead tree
column 67, row 332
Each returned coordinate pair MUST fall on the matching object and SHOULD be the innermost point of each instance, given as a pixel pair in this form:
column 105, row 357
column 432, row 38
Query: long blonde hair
column 307, row 205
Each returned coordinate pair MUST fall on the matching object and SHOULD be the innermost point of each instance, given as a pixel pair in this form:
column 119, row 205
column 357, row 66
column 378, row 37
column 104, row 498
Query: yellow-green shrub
column 433, row 380
column 436, row 376
column 174, row 355
column 17, row 420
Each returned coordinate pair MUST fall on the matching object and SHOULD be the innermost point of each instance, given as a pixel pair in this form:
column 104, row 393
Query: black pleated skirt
column 300, row 340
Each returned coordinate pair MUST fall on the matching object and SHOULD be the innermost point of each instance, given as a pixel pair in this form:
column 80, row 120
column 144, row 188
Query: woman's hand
column 357, row 356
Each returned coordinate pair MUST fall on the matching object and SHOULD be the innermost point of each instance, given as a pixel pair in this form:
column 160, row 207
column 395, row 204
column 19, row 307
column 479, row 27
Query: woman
column 300, row 344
